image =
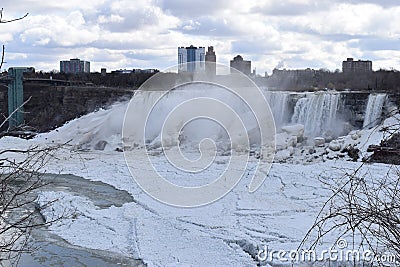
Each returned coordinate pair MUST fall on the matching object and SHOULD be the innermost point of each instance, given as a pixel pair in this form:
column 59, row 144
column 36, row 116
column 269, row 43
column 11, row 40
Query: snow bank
column 356, row 141
column 225, row 233
column 100, row 130
column 88, row 226
column 295, row 129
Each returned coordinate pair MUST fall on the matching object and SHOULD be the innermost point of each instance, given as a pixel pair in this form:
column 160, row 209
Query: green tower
column 16, row 96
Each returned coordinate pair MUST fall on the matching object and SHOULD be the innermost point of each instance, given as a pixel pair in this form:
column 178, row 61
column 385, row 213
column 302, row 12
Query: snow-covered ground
column 224, row 233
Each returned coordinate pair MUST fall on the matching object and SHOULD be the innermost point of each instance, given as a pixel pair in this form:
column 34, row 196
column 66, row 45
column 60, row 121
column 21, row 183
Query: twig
column 2, row 57
column 11, row 20
column 12, row 113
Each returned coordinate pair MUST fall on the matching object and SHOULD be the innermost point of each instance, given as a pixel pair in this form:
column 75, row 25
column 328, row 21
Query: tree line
column 121, row 80
column 381, row 80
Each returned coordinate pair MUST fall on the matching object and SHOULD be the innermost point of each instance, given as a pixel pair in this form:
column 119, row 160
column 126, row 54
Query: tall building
column 241, row 65
column 191, row 59
column 350, row 66
column 211, row 59
column 75, row 65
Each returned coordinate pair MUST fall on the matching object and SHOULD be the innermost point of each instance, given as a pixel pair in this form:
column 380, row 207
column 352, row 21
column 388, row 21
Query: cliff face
column 52, row 106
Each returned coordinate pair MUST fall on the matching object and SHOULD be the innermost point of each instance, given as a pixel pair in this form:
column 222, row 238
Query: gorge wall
column 322, row 113
column 51, row 106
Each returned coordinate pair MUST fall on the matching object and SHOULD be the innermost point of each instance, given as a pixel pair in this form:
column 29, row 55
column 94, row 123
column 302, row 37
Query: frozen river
column 51, row 250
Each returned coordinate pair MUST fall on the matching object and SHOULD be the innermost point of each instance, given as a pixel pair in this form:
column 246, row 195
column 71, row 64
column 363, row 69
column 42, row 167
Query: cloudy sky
column 146, row 33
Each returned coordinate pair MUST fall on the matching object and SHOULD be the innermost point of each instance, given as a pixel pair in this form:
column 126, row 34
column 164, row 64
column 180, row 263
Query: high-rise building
column 211, row 59
column 75, row 65
column 350, row 66
column 191, row 59
column 241, row 65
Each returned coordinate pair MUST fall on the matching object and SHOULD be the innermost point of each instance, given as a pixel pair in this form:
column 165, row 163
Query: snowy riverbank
column 225, row 233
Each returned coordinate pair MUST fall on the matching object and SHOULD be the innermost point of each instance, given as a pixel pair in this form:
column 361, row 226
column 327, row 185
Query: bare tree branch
column 16, row 110
column 3, row 21
column 20, row 181
column 11, row 20
column 2, row 56
column 363, row 208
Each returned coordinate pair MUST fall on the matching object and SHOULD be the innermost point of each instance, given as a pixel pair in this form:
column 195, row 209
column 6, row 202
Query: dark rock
column 100, row 145
column 352, row 152
column 388, row 151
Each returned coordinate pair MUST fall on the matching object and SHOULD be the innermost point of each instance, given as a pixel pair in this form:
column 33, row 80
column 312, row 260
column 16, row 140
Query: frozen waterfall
column 278, row 102
column 374, row 108
column 318, row 113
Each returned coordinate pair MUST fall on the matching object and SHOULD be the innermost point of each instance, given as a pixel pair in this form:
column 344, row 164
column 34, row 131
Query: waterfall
column 317, row 112
column 374, row 108
column 151, row 109
column 278, row 102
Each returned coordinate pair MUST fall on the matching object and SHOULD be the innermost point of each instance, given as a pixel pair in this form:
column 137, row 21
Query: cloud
column 146, row 33
column 377, row 44
column 383, row 3
column 70, row 30
column 209, row 26
column 189, row 9
column 256, row 46
column 289, row 8
column 125, row 17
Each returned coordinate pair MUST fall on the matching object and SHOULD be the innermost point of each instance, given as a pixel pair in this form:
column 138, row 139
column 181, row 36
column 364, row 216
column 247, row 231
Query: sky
column 118, row 34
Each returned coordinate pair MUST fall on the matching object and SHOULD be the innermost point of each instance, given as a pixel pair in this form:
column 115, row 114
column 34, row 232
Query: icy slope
column 97, row 130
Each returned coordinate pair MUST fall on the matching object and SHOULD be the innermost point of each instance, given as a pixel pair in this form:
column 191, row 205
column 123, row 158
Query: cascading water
column 159, row 105
column 278, row 102
column 322, row 114
column 374, row 108
column 318, row 113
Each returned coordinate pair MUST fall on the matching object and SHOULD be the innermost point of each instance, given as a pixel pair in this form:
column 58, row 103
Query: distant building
column 125, row 71
column 241, row 65
column 191, row 59
column 103, row 71
column 145, row 70
column 350, row 66
column 122, row 71
column 294, row 74
column 211, row 58
column 75, row 66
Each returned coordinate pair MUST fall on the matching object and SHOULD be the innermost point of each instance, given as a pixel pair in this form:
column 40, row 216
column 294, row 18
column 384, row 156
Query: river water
column 51, row 250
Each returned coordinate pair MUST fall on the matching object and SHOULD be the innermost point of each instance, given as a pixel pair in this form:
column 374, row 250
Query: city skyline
column 145, row 34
